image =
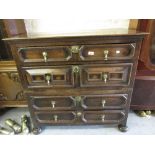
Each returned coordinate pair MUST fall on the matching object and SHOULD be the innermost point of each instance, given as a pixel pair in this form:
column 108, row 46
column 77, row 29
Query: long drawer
column 83, row 102
column 77, row 75
column 80, row 117
column 102, row 52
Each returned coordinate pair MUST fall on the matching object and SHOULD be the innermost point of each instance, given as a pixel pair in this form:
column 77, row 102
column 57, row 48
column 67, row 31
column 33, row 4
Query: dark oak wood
column 78, row 78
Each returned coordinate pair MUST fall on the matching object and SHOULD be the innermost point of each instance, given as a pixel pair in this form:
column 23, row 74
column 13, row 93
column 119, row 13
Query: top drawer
column 107, row 52
column 76, row 53
column 44, row 54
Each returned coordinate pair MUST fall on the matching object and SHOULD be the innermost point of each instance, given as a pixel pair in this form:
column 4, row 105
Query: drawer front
column 86, row 102
column 56, row 117
column 107, row 52
column 56, row 76
column 99, row 102
column 113, row 116
column 80, row 117
column 44, row 54
column 53, row 103
column 105, row 75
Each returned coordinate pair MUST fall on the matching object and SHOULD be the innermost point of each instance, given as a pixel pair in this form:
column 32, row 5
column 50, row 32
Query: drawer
column 54, row 76
column 80, row 117
column 107, row 52
column 77, row 75
column 99, row 117
column 109, row 101
column 105, row 75
column 53, row 102
column 44, row 54
column 62, row 117
column 84, row 102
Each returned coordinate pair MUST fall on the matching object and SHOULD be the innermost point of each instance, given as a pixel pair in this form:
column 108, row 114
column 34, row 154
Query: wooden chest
column 78, row 78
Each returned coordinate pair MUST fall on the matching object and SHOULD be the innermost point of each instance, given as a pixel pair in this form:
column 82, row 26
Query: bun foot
column 123, row 128
column 36, row 131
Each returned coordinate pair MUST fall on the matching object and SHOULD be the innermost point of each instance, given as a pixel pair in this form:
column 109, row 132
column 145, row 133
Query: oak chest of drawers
column 78, row 78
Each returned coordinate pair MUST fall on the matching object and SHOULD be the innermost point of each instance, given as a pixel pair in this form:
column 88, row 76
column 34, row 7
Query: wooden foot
column 36, row 131
column 123, row 128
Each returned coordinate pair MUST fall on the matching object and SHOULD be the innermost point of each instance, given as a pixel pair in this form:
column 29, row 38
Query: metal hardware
column 75, row 69
column 75, row 49
column 12, row 124
column 78, row 99
column 117, row 52
column 48, row 78
column 106, row 52
column 53, row 104
column 24, row 122
column 55, row 118
column 45, row 56
column 103, row 103
column 103, row 118
column 79, row 113
column 6, row 131
column 105, row 77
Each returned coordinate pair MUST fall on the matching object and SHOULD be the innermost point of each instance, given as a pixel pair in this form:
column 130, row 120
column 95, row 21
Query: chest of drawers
column 78, row 79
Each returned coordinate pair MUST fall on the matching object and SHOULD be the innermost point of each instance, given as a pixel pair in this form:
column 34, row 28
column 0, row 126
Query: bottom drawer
column 80, row 117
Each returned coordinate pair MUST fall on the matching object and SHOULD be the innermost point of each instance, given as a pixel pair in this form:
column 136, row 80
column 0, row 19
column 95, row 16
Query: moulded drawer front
column 54, row 76
column 107, row 52
column 52, row 103
column 62, row 117
column 44, row 54
column 112, row 101
column 113, row 116
column 105, row 75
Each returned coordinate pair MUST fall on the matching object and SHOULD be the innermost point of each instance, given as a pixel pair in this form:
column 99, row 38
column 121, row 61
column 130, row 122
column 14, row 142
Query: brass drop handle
column 106, row 52
column 103, row 103
column 103, row 118
column 48, row 78
column 105, row 77
column 75, row 49
column 53, row 104
column 55, row 118
column 45, row 56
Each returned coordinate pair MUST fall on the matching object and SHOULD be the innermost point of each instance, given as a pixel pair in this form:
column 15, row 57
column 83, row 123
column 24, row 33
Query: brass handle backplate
column 75, row 49
column 75, row 69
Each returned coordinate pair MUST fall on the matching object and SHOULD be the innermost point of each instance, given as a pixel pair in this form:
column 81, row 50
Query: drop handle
column 45, row 56
column 103, row 118
column 103, row 103
column 106, row 52
column 105, row 77
column 55, row 118
column 48, row 78
column 53, row 104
